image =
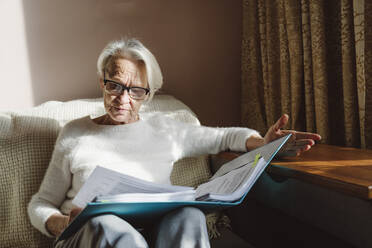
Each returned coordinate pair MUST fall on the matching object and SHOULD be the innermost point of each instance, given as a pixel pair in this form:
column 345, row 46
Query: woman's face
column 122, row 109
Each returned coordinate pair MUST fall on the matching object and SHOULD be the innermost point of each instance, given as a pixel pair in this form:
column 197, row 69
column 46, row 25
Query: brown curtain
column 312, row 60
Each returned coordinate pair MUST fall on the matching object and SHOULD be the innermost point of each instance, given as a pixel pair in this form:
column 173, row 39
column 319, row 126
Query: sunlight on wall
column 14, row 64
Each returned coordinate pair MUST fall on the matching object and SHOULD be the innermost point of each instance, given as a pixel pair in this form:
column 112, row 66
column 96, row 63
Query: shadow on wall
column 197, row 44
column 64, row 39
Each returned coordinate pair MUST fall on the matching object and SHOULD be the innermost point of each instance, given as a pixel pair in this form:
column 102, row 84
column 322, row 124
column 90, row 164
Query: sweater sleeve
column 198, row 140
column 53, row 188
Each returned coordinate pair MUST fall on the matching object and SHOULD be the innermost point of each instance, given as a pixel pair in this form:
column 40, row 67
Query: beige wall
column 50, row 48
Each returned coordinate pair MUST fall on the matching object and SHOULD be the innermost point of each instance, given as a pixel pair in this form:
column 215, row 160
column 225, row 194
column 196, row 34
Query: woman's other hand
column 298, row 143
column 56, row 223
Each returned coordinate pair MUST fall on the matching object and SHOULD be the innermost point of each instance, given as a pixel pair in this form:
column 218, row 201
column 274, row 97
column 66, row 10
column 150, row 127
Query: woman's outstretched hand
column 298, row 143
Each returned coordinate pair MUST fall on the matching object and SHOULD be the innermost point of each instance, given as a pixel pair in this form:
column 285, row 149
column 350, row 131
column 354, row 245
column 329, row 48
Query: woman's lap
column 183, row 227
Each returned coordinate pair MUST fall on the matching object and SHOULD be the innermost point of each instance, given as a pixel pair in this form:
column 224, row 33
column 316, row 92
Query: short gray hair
column 132, row 49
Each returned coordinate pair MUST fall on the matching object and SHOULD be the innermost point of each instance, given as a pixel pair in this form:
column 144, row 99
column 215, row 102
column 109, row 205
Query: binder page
column 104, row 181
column 267, row 152
column 233, row 184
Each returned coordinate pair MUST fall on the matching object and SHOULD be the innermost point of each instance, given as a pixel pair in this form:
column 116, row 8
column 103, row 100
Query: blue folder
column 140, row 213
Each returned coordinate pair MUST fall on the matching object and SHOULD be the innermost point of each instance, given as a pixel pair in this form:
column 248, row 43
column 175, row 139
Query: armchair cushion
column 26, row 144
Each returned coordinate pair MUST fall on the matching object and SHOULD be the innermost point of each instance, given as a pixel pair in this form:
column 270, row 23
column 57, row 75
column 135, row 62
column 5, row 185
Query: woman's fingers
column 296, row 147
column 275, row 131
column 288, row 153
column 283, row 120
column 303, row 135
column 299, row 141
column 302, row 142
column 299, row 145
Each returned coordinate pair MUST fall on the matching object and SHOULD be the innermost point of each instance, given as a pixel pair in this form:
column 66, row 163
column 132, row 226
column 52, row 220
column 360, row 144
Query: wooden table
column 322, row 216
column 343, row 169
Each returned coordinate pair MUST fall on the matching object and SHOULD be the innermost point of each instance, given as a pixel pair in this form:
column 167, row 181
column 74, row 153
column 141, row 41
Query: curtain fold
column 309, row 59
column 367, row 77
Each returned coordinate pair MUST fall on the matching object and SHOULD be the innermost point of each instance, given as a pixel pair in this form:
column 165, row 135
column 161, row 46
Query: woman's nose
column 124, row 97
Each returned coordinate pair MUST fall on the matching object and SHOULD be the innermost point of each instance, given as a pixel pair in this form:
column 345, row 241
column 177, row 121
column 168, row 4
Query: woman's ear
column 101, row 84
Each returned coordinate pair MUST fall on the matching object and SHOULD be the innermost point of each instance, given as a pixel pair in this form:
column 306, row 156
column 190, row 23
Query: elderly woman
column 146, row 148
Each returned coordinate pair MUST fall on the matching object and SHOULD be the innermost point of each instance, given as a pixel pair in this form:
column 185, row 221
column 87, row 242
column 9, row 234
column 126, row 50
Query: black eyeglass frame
column 123, row 87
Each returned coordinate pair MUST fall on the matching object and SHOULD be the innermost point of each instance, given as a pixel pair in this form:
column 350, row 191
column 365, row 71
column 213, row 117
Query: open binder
column 143, row 212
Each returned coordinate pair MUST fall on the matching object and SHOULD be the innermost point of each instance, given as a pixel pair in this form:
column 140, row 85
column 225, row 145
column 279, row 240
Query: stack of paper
column 109, row 183
column 188, row 195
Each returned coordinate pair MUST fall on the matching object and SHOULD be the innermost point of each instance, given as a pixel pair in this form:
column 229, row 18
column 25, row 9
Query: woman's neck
column 106, row 120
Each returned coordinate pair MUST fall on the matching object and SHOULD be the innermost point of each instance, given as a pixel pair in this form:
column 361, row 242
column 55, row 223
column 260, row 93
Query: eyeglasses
column 116, row 89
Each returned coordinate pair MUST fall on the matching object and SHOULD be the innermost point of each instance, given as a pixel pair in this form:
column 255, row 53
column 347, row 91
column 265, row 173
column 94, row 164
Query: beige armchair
column 26, row 143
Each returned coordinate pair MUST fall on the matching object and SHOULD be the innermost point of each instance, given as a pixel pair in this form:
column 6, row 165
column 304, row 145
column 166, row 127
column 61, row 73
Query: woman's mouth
column 120, row 110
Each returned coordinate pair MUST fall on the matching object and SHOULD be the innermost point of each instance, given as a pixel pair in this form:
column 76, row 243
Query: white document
column 104, row 181
column 233, row 185
column 188, row 195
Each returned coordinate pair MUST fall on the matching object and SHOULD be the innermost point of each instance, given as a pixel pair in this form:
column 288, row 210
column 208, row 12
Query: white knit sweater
column 146, row 149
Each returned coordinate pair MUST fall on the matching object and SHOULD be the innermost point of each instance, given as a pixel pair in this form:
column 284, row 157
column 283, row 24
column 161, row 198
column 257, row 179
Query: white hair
column 132, row 49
